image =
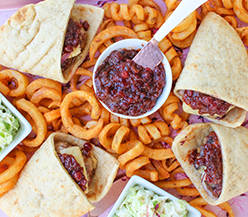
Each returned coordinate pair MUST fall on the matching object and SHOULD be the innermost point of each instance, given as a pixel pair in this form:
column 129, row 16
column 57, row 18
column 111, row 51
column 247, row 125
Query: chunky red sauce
column 86, row 149
column 205, row 104
column 74, row 36
column 209, row 155
column 74, row 169
column 127, row 88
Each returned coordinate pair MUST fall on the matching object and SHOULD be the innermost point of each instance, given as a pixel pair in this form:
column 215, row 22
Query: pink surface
column 238, row 204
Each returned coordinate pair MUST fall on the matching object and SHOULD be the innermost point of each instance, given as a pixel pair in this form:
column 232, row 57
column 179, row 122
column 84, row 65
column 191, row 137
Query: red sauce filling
column 211, row 157
column 86, row 149
column 74, row 168
column 73, row 37
column 205, row 104
column 127, row 88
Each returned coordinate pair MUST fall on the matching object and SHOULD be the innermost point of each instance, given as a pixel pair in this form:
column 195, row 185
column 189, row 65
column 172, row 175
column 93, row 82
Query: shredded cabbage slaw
column 9, row 126
column 141, row 202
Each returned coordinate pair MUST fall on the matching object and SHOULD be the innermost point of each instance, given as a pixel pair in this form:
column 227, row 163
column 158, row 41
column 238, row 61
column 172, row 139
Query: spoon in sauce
column 150, row 55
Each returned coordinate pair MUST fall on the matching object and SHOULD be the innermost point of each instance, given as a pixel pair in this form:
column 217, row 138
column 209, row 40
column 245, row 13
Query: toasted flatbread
column 234, row 149
column 45, row 188
column 32, row 39
column 217, row 65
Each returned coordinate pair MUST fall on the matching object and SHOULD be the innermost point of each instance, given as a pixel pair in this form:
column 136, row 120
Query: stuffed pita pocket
column 41, row 39
column 49, row 186
column 215, row 75
column 215, row 159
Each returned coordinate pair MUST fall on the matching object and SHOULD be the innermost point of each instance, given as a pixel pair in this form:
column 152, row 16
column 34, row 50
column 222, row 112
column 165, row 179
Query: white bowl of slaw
column 136, row 180
column 23, row 131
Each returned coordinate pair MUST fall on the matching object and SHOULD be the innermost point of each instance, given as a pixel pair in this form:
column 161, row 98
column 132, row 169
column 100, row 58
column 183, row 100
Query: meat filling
column 207, row 159
column 205, row 104
column 75, row 40
column 81, row 175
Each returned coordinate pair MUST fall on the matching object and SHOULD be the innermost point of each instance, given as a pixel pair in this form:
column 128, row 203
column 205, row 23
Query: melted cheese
column 76, row 51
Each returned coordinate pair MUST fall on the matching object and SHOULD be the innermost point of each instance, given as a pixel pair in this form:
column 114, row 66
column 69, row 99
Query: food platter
column 238, row 204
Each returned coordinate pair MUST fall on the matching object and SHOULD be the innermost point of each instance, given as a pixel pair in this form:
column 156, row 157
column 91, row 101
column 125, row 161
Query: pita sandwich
column 234, row 157
column 216, row 66
column 34, row 39
column 46, row 187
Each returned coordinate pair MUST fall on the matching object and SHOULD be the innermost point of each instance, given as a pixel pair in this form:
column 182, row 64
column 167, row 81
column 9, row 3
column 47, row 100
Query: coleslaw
column 141, row 202
column 9, row 126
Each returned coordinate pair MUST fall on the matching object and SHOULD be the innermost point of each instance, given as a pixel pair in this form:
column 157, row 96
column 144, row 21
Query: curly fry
column 163, row 173
column 52, row 115
column 176, row 66
column 143, row 31
column 39, row 120
column 136, row 164
column 170, row 164
column 144, row 3
column 171, row 4
column 108, row 34
column 151, row 175
column 179, row 36
column 107, row 134
column 20, row 81
column 191, row 191
column 131, row 154
column 14, row 162
column 199, row 202
column 151, row 131
column 167, row 113
column 67, row 120
column 185, row 23
column 88, row 85
column 227, row 3
column 144, row 12
column 14, row 166
column 42, row 82
column 158, row 154
column 46, row 93
column 240, row 11
column 232, row 21
column 120, row 136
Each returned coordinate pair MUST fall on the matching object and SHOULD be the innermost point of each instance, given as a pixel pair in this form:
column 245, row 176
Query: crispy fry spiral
column 143, row 31
column 14, row 162
column 8, row 77
column 241, row 9
column 176, row 66
column 181, row 185
column 167, row 112
column 87, row 85
column 199, row 203
column 183, row 34
column 152, row 131
column 135, row 13
column 144, row 3
column 243, row 33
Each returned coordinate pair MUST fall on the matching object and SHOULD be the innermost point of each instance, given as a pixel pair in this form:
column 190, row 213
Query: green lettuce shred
column 9, row 126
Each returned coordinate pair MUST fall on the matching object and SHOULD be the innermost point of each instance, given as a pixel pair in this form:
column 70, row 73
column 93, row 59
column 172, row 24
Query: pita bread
column 234, row 148
column 45, row 188
column 217, row 65
column 32, row 39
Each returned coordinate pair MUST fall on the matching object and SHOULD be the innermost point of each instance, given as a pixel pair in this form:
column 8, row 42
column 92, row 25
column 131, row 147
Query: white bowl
column 136, row 44
column 136, row 180
column 24, row 130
